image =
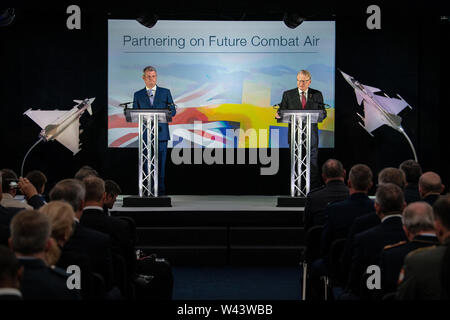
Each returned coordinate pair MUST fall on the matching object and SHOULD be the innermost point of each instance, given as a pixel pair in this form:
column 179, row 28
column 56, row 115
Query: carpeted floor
column 237, row 283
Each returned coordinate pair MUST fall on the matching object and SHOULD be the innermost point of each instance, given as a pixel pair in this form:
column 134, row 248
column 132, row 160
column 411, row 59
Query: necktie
column 151, row 96
column 303, row 100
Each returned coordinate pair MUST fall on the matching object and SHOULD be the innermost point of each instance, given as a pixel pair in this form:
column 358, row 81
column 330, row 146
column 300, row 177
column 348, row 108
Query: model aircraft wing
column 70, row 137
column 45, row 117
column 392, row 105
column 373, row 118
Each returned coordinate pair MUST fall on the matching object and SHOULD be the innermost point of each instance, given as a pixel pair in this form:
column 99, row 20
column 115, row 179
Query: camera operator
column 10, row 189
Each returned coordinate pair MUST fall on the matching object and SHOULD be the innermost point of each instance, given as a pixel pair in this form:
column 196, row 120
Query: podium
column 300, row 145
column 148, row 120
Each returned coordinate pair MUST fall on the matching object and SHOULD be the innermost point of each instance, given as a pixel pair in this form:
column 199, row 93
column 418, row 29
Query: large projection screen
column 222, row 75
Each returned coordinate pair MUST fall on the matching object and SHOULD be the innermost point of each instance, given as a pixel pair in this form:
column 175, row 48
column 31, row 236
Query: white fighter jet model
column 62, row 125
column 378, row 110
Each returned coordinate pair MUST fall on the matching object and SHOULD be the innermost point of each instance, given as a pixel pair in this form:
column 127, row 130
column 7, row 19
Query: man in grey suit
column 306, row 98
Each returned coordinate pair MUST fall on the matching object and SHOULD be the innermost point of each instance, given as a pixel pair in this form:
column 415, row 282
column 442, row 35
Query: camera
column 13, row 183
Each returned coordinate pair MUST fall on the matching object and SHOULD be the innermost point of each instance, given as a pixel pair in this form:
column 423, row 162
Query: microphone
column 324, row 104
column 125, row 104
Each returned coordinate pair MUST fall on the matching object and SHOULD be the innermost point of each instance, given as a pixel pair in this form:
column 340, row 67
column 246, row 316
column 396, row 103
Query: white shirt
column 10, row 292
column 390, row 216
column 9, row 202
column 306, row 95
column 153, row 90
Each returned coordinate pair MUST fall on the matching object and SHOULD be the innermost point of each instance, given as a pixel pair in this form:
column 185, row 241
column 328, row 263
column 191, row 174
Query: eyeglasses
column 303, row 81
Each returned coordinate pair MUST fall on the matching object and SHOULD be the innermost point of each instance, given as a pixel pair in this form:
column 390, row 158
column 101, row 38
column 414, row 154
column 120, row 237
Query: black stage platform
column 219, row 230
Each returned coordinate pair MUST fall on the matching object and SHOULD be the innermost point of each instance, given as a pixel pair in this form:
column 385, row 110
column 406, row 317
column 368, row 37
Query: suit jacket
column 431, row 199
column 43, row 283
column 291, row 100
column 393, row 256
column 318, row 199
column 162, row 100
column 339, row 217
column 420, row 277
column 117, row 229
column 368, row 246
column 97, row 246
column 359, row 225
column 412, row 193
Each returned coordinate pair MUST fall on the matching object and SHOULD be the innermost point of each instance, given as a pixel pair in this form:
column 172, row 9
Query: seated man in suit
column 155, row 97
column 304, row 97
column 367, row 221
column 96, row 245
column 368, row 245
column 418, row 224
column 30, row 240
column 333, row 174
column 430, row 187
column 412, row 171
column 425, row 274
column 38, row 180
column 112, row 190
column 339, row 217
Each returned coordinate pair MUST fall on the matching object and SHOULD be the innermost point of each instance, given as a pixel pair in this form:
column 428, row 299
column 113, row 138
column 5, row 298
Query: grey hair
column 305, row 72
column 418, row 216
column 71, row 191
column 149, row 68
column 30, row 230
column 390, row 197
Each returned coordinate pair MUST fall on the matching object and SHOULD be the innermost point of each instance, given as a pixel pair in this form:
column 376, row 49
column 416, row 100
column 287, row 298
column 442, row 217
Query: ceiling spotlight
column 292, row 20
column 148, row 20
column 6, row 16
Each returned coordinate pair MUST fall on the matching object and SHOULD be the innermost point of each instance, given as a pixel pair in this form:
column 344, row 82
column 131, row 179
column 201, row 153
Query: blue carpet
column 237, row 283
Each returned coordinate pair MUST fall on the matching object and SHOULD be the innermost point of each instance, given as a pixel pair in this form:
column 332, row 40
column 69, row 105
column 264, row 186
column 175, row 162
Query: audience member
column 112, row 190
column 418, row 225
column 95, row 218
column 367, row 221
column 30, row 240
column 38, row 180
column 85, row 171
column 412, row 171
column 96, row 245
column 9, row 187
column 339, row 217
column 430, row 187
column 426, row 271
column 368, row 245
column 333, row 174
column 11, row 274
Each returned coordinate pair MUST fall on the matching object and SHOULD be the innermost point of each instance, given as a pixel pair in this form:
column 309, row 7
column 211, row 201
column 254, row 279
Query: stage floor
column 213, row 202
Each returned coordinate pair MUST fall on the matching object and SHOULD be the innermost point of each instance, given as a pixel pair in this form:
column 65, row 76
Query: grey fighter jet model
column 378, row 110
column 62, row 125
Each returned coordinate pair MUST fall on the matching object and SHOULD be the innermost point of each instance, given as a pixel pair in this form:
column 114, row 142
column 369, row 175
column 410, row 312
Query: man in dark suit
column 412, row 171
column 430, row 187
column 304, row 97
column 367, row 221
column 368, row 245
column 154, row 97
column 30, row 240
column 419, row 229
column 95, row 218
column 333, row 174
column 96, row 245
column 6, row 214
column 425, row 273
column 338, row 219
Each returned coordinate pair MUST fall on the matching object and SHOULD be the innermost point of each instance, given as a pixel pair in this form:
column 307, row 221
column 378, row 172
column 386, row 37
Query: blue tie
column 151, row 96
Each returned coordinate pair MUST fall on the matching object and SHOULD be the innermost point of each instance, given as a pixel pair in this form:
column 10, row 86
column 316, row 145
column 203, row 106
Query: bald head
column 430, row 183
column 333, row 169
